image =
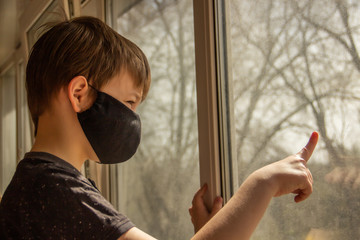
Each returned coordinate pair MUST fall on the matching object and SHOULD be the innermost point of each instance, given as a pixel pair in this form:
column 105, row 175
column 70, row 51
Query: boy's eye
column 130, row 104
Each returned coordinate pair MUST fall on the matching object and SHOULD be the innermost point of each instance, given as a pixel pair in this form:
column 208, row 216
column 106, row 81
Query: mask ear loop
column 92, row 87
column 96, row 91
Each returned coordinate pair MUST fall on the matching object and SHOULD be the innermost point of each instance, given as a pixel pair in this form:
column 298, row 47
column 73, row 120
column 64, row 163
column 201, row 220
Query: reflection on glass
column 156, row 187
column 296, row 68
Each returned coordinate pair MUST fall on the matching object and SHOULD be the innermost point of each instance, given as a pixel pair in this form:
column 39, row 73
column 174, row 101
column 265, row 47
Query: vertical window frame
column 228, row 161
column 207, row 102
column 8, row 65
column 214, row 96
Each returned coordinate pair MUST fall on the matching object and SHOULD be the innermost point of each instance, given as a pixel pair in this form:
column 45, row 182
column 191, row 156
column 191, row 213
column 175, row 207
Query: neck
column 61, row 138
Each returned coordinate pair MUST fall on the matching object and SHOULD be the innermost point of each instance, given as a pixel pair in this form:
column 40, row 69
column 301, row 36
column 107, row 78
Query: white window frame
column 206, row 75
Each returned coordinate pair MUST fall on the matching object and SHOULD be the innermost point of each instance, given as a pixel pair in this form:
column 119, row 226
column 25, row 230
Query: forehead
column 122, row 85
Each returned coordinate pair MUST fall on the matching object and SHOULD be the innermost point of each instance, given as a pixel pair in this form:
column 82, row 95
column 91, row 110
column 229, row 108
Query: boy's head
column 83, row 46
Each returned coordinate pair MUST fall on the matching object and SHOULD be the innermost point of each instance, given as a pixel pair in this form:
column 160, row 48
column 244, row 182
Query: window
column 8, row 127
column 156, row 187
column 92, row 8
column 284, row 69
column 15, row 125
column 52, row 13
column 24, row 136
column 295, row 68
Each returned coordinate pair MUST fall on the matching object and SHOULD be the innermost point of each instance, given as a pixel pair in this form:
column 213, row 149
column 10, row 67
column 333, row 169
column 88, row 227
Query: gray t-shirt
column 50, row 199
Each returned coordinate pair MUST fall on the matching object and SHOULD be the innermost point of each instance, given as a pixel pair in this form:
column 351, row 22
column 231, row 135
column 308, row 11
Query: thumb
column 307, row 151
column 217, row 205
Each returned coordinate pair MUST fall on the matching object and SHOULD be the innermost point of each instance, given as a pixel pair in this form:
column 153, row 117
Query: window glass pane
column 92, row 8
column 54, row 12
column 8, row 127
column 295, row 69
column 24, row 119
column 156, row 187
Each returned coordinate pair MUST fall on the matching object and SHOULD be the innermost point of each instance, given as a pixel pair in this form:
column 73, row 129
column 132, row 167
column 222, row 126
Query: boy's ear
column 78, row 93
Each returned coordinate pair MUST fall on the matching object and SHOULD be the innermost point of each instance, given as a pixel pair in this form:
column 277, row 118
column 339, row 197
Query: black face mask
column 112, row 129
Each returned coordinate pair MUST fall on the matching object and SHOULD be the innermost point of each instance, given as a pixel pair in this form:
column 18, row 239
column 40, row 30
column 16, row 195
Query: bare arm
column 240, row 216
column 136, row 234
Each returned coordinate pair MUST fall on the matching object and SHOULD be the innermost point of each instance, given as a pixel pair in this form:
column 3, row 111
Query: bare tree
column 296, row 69
column 167, row 161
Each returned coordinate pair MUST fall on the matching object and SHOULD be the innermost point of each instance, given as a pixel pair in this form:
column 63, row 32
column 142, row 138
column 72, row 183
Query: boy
column 84, row 83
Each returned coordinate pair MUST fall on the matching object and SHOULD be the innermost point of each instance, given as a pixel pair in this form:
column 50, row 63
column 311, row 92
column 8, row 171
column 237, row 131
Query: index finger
column 307, row 151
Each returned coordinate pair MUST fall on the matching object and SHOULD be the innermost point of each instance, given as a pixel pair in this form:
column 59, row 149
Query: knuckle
column 305, row 149
column 304, row 176
column 302, row 161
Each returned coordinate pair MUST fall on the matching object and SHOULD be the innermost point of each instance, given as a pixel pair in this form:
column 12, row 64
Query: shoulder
column 58, row 198
column 40, row 181
column 39, row 174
